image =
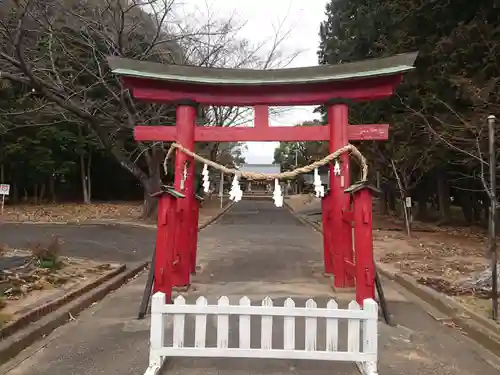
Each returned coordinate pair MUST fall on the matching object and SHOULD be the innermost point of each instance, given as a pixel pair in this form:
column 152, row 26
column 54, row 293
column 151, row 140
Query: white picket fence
column 361, row 331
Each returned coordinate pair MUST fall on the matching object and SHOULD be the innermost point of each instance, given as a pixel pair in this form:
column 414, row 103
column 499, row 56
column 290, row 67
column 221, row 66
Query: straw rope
column 349, row 148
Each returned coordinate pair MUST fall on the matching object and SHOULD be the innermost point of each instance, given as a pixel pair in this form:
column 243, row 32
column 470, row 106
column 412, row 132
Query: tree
column 298, row 154
column 56, row 50
column 456, row 73
column 63, row 64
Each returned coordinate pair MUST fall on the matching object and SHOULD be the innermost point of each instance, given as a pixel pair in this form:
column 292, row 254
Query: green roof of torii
column 226, row 76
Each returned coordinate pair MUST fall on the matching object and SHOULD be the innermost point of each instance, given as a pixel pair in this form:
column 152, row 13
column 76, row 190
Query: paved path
column 100, row 242
column 255, row 249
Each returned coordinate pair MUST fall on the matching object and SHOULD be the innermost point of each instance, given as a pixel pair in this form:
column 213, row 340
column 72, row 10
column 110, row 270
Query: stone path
column 257, row 250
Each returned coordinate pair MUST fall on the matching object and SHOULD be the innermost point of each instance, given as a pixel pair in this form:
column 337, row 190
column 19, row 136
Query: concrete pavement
column 125, row 244
column 255, row 250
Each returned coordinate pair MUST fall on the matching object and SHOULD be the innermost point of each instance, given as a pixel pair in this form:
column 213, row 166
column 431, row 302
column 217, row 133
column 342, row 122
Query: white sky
column 302, row 17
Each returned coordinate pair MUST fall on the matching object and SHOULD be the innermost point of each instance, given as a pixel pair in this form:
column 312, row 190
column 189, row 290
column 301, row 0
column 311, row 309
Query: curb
column 83, row 223
column 216, row 216
column 478, row 328
column 302, row 219
column 40, row 311
column 14, row 344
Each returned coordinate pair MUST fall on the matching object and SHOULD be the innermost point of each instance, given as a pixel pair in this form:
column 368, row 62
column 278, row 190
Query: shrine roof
column 370, row 68
column 260, row 168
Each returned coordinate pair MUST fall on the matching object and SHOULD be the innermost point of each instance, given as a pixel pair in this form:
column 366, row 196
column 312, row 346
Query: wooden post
column 186, row 124
column 221, row 189
column 163, row 253
column 157, row 333
column 327, row 232
column 194, row 233
column 493, row 215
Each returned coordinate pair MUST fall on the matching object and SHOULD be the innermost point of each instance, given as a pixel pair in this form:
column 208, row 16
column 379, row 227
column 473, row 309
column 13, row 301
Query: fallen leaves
column 73, row 212
column 23, row 280
column 453, row 289
column 19, row 281
column 444, row 260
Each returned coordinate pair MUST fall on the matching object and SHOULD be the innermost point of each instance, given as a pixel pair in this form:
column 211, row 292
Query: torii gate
column 335, row 86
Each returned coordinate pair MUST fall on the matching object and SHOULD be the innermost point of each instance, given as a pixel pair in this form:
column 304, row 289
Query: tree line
column 437, row 152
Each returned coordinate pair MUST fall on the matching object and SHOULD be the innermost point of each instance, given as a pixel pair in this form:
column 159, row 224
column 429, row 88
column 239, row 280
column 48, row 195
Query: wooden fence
column 361, row 345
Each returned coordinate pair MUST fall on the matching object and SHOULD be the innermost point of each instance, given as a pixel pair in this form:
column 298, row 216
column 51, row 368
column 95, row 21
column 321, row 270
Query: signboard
column 4, row 189
column 408, row 202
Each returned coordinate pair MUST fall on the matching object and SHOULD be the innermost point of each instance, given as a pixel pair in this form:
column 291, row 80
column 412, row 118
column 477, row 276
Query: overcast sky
column 302, row 17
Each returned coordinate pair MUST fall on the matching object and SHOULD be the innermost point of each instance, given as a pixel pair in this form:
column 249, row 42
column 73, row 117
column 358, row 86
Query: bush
column 48, row 257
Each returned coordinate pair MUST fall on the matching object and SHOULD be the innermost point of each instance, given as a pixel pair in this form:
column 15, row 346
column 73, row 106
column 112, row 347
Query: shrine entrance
column 346, row 207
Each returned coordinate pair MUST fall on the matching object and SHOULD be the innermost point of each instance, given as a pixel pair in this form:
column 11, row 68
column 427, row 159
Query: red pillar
column 365, row 265
column 165, row 242
column 185, row 124
column 341, row 230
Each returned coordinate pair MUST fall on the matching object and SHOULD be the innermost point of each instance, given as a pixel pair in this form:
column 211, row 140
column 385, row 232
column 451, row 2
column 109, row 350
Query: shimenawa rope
column 271, row 176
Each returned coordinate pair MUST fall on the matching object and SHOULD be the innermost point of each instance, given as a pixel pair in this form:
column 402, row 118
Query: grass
column 48, row 256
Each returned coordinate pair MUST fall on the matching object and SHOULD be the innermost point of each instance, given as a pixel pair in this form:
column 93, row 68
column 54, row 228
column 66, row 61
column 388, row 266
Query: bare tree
column 56, row 50
column 231, row 50
column 465, row 135
column 474, row 140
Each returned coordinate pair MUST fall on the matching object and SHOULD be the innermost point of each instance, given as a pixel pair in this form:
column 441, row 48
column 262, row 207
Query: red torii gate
column 333, row 85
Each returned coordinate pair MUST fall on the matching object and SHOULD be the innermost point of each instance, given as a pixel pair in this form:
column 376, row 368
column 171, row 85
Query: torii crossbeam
column 335, row 86
column 262, row 132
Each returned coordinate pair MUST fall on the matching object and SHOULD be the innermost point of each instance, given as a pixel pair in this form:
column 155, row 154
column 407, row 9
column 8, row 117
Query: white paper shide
column 318, row 186
column 235, row 194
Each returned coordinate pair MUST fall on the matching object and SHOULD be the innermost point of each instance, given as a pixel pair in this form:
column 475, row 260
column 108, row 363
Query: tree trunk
column 384, row 203
column 150, row 204
column 486, row 210
column 15, row 193
column 443, row 192
column 85, row 183
column 477, row 208
column 89, row 176
column 84, row 171
column 467, row 206
column 422, row 212
column 152, row 185
column 391, row 200
column 43, row 188
column 35, row 194
column 52, row 188
column 403, row 190
column 213, row 151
